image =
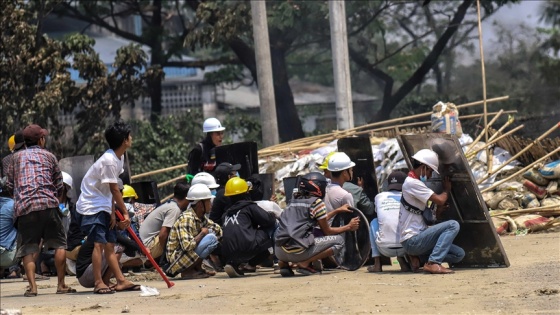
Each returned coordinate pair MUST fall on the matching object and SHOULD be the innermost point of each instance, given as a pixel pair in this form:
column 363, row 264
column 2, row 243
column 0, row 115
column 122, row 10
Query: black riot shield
column 357, row 244
column 359, row 151
column 289, row 184
column 147, row 192
column 77, row 167
column 267, row 182
column 244, row 153
column 477, row 236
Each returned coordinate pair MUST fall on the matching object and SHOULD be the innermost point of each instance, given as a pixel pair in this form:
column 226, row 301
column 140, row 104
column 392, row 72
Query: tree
column 35, row 80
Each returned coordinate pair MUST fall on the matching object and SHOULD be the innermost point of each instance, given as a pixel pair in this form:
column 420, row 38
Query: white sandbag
column 536, row 177
column 551, row 201
column 499, row 196
column 552, row 187
column 508, row 203
column 511, row 185
column 551, row 170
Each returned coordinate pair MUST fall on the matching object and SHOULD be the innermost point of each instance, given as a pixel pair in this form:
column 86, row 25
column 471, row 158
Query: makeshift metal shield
column 289, row 184
column 77, row 167
column 147, row 192
column 244, row 153
column 357, row 244
column 477, row 236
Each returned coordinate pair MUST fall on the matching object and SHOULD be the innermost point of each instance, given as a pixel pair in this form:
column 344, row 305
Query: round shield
column 357, row 243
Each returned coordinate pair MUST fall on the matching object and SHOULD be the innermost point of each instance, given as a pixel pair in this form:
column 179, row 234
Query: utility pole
column 341, row 65
column 269, row 123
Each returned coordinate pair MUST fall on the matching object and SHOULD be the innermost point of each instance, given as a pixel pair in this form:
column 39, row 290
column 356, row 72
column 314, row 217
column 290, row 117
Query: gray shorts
column 335, row 242
column 87, row 280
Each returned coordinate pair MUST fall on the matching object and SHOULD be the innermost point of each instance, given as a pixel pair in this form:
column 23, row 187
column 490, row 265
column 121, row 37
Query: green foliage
column 242, row 127
column 35, row 82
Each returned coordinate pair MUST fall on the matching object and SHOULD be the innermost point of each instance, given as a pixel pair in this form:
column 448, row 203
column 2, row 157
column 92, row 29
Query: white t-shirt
column 387, row 206
column 96, row 194
column 416, row 193
column 336, row 197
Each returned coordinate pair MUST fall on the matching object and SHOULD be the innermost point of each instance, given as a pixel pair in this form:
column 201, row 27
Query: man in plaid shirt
column 193, row 237
column 35, row 181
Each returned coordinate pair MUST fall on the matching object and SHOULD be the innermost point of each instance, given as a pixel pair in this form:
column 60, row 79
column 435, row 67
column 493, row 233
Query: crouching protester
column 417, row 238
column 86, row 274
column 193, row 237
column 294, row 237
column 247, row 229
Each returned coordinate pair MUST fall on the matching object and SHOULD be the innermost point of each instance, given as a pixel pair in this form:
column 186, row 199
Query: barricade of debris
column 521, row 197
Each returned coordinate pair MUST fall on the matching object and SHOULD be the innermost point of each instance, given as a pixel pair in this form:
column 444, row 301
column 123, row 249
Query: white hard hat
column 67, row 179
column 206, row 179
column 211, row 125
column 428, row 157
column 339, row 162
column 199, row 192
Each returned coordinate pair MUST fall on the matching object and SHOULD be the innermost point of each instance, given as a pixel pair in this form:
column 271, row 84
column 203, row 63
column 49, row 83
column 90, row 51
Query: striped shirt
column 35, row 180
column 181, row 243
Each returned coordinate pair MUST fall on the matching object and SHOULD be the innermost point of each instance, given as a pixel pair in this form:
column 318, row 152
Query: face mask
column 423, row 178
column 214, row 192
column 237, row 174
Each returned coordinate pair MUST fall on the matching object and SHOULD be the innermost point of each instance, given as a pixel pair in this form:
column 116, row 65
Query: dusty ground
column 530, row 285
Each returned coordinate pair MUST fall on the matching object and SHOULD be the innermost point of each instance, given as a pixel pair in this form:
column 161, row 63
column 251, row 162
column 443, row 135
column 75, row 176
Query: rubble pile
column 526, row 202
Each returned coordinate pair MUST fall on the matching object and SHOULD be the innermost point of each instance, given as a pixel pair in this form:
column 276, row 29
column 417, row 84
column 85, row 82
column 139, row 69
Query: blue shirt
column 8, row 232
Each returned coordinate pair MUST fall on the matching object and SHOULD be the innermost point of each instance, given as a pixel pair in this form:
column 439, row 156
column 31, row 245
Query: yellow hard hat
column 325, row 164
column 236, row 186
column 12, row 142
column 129, row 192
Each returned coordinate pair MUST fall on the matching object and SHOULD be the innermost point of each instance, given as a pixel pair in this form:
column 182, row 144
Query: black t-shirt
column 75, row 235
column 219, row 206
column 84, row 258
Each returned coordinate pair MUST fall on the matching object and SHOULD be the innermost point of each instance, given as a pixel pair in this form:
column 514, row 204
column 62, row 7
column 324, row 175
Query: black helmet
column 314, row 184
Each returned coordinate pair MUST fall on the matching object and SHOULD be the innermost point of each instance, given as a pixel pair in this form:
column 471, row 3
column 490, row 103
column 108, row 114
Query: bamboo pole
column 268, row 151
column 167, row 182
column 485, row 105
column 524, row 211
column 484, row 131
column 508, row 122
column 379, row 123
column 540, row 138
column 490, row 143
column 171, row 168
column 520, row 171
column 166, row 198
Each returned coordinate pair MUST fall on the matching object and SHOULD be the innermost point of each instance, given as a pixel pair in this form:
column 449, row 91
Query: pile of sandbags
column 537, row 187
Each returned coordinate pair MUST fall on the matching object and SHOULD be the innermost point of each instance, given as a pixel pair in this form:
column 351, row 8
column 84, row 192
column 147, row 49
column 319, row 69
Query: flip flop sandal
column 28, row 293
column 66, row 290
column 103, row 291
column 306, row 271
column 135, row 287
column 196, row 276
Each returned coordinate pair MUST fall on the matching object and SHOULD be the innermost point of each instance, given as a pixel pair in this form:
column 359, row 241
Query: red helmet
column 313, row 184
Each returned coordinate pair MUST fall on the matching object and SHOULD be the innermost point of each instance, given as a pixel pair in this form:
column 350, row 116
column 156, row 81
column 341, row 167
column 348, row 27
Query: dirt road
column 530, row 285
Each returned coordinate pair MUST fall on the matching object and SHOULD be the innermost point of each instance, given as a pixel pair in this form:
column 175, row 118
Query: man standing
column 193, row 237
column 36, row 182
column 416, row 237
column 384, row 236
column 154, row 232
column 100, row 194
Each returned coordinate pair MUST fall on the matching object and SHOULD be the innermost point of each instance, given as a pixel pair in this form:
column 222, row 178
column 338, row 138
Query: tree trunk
column 155, row 86
column 289, row 124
